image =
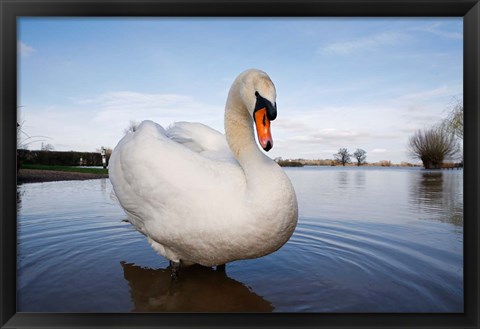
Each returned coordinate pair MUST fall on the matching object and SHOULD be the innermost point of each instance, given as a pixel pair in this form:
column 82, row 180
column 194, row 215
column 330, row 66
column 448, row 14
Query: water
column 367, row 240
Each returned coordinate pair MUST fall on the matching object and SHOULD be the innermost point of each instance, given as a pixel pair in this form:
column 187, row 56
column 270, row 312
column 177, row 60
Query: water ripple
column 373, row 253
column 367, row 240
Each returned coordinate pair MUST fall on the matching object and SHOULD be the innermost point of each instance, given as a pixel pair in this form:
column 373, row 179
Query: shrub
column 433, row 146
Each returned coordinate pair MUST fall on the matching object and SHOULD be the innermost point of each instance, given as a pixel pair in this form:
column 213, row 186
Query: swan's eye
column 265, row 103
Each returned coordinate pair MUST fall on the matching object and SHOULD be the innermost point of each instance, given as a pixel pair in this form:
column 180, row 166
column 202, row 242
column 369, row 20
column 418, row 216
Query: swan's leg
column 175, row 268
column 221, row 268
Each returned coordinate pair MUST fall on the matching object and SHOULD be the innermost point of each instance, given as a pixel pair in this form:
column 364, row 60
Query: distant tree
column 342, row 156
column 47, row 147
column 360, row 155
column 433, row 146
column 132, row 127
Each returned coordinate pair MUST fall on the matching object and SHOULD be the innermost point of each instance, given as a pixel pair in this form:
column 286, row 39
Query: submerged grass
column 99, row 171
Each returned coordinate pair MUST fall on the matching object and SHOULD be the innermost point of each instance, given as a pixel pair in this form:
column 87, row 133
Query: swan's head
column 259, row 96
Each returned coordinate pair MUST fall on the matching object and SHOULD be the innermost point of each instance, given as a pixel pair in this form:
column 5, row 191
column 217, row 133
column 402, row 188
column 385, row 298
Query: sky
column 366, row 83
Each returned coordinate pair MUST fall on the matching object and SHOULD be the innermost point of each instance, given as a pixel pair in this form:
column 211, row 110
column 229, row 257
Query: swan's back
column 202, row 139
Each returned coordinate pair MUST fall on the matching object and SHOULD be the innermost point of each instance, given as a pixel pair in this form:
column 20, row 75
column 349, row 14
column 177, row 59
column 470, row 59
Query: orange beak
column 263, row 129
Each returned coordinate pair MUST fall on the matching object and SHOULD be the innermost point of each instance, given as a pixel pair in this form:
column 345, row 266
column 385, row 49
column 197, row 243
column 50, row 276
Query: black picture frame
column 11, row 10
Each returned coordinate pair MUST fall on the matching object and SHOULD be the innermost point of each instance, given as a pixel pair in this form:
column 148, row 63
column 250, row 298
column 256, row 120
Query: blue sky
column 341, row 82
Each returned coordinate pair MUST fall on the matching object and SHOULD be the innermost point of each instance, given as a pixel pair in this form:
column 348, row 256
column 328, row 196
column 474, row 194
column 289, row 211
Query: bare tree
column 433, row 146
column 342, row 156
column 360, row 155
column 24, row 139
column 132, row 127
column 454, row 121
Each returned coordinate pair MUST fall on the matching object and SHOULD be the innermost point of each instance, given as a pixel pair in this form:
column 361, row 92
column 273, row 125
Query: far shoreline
column 41, row 176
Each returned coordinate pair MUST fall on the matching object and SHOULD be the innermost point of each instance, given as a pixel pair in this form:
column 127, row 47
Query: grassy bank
column 99, row 171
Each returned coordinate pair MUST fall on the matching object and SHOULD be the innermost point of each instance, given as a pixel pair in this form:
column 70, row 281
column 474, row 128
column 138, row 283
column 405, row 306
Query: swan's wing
column 202, row 139
column 153, row 176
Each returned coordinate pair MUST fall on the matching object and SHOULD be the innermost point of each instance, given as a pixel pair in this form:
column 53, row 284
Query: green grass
column 99, row 171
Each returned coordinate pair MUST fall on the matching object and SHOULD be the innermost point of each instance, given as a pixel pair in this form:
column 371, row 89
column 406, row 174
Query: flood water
column 367, row 240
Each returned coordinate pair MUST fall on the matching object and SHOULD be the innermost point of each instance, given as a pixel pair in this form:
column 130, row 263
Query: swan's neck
column 269, row 195
column 240, row 136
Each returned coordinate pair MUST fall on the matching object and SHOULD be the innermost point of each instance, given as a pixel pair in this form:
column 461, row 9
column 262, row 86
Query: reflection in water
column 197, row 289
column 431, row 186
column 360, row 179
column 103, row 185
column 438, row 192
column 342, row 177
column 19, row 197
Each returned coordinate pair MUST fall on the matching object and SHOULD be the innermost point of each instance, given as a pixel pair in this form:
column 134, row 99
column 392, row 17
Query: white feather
column 201, row 139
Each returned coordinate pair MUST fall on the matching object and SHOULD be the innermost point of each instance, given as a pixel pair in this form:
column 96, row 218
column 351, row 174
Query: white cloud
column 367, row 43
column 116, row 109
column 287, row 124
column 338, row 137
column 385, row 39
column 87, row 124
column 436, row 29
column 24, row 49
column 426, row 95
column 379, row 151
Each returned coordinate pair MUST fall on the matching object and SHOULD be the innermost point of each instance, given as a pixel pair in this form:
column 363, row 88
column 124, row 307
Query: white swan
column 201, row 198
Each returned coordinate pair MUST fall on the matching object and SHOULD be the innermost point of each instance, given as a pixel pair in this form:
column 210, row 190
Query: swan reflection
column 197, row 289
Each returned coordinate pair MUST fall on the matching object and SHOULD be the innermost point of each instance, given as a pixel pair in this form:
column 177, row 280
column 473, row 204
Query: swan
column 201, row 197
